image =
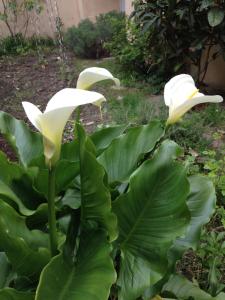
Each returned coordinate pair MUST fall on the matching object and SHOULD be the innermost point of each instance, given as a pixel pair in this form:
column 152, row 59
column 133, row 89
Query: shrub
column 106, row 23
column 87, row 39
column 178, row 32
column 83, row 40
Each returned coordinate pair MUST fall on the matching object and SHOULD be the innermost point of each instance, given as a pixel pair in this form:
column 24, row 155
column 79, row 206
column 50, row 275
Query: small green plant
column 18, row 45
column 212, row 253
column 134, row 108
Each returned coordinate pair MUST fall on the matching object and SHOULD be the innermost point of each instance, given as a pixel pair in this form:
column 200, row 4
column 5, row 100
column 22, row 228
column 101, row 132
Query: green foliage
column 88, row 38
column 184, row 290
column 83, row 40
column 178, row 32
column 18, row 45
column 211, row 252
column 135, row 108
column 89, row 277
column 130, row 49
column 214, row 164
column 197, row 128
column 124, row 206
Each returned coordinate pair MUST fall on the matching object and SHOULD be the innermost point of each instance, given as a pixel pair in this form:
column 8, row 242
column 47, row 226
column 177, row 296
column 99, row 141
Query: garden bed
column 36, row 79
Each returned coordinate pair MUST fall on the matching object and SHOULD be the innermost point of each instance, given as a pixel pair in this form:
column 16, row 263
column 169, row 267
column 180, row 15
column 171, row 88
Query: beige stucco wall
column 128, row 6
column 71, row 13
column 215, row 76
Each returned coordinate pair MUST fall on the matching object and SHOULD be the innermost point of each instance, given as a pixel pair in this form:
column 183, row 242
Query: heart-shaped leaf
column 11, row 294
column 26, row 250
column 26, row 143
column 95, row 197
column 121, row 158
column 151, row 215
column 89, row 277
column 215, row 16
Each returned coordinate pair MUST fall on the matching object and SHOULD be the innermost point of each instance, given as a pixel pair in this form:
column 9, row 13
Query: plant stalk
column 51, row 212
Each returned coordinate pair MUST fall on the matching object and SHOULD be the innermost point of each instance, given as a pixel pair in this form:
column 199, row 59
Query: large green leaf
column 63, row 179
column 103, row 137
column 6, row 269
column 151, row 215
column 8, row 195
column 136, row 275
column 215, row 16
column 70, row 151
column 26, row 250
column 16, row 184
column 121, row 157
column 89, row 278
column 26, row 144
column 201, row 203
column 95, row 197
column 184, row 289
column 11, row 294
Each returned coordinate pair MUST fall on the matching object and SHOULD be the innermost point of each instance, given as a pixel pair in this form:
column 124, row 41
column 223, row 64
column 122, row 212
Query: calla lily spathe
column 90, row 76
column 181, row 94
column 51, row 123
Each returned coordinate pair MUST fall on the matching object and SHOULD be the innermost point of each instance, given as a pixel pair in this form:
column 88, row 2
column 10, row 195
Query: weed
column 211, row 252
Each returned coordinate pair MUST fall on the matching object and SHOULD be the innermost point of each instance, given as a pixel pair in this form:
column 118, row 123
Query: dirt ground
column 36, row 79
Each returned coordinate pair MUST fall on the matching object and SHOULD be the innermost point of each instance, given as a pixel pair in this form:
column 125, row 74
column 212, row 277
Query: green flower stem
column 51, row 212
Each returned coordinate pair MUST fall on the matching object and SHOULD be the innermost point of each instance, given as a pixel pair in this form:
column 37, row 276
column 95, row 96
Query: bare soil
column 36, row 79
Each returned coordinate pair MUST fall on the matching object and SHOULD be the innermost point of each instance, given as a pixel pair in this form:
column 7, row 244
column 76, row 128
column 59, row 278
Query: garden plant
column 106, row 215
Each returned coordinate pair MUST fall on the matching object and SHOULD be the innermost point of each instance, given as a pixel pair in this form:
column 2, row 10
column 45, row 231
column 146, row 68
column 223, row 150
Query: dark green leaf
column 89, row 278
column 95, row 197
column 201, row 203
column 63, row 179
column 6, row 270
column 205, row 4
column 121, row 157
column 136, row 275
column 151, row 215
column 184, row 289
column 72, row 198
column 103, row 137
column 26, row 144
column 26, row 250
column 7, row 195
column 18, row 181
column 215, row 16
column 11, row 294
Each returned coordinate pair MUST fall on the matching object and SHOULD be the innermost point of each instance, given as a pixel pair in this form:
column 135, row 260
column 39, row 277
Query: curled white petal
column 181, row 94
column 72, row 98
column 33, row 113
column 51, row 123
column 90, row 76
column 176, row 113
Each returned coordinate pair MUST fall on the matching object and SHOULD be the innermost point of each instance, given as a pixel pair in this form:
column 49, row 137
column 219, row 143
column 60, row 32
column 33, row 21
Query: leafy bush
column 84, row 40
column 88, row 38
column 128, row 46
column 105, row 24
column 180, row 31
column 15, row 45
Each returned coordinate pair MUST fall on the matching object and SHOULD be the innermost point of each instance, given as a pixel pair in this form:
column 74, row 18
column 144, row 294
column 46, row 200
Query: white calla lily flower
column 51, row 123
column 181, row 94
column 90, row 76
